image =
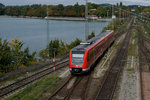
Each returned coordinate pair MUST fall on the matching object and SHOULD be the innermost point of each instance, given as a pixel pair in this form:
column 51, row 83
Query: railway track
column 80, row 84
column 144, row 58
column 146, row 39
column 144, row 52
column 121, row 29
column 107, row 88
column 77, row 89
column 27, row 80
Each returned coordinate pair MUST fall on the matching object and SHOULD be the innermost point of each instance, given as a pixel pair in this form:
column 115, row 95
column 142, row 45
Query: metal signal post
column 47, row 31
column 54, row 50
column 86, row 22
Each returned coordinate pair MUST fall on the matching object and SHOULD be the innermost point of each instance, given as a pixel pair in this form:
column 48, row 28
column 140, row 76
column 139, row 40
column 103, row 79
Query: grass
column 132, row 47
column 134, row 35
column 132, row 51
column 130, row 69
column 38, row 91
column 15, row 78
column 116, row 45
column 145, row 31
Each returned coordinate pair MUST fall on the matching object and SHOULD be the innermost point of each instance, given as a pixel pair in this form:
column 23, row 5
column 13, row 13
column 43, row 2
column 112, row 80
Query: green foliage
column 101, row 11
column 61, row 47
column 36, row 90
column 53, row 44
column 91, row 36
column 12, row 56
column 56, row 10
column 130, row 69
column 5, row 56
column 138, row 10
column 146, row 12
column 116, row 45
column 109, row 27
column 27, row 58
column 44, row 54
column 74, row 43
column 1, row 11
column 121, row 4
column 40, row 10
column 116, row 24
column 134, row 35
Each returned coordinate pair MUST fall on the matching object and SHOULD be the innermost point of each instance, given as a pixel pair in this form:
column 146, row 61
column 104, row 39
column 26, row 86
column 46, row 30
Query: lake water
column 33, row 32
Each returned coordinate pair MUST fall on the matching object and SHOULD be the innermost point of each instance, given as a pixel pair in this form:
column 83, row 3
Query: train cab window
column 77, row 57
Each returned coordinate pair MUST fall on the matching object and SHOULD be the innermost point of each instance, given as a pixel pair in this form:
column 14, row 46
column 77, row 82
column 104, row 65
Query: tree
column 117, row 5
column 62, row 48
column 44, row 54
column 12, row 56
column 147, row 11
column 53, row 44
column 24, row 10
column 1, row 11
column 28, row 58
column 74, row 43
column 82, row 10
column 8, row 10
column 5, row 56
column 90, row 6
column 60, row 9
column 69, row 11
column 138, row 9
column 91, row 36
column 101, row 11
column 15, row 11
column 40, row 12
column 76, row 7
column 121, row 4
column 16, row 47
column 52, row 11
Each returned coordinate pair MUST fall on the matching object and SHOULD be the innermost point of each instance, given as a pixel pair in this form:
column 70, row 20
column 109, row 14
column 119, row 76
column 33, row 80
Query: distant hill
column 134, row 6
column 1, row 5
column 131, row 6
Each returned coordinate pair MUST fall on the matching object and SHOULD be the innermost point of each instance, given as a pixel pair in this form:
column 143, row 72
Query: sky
column 72, row 2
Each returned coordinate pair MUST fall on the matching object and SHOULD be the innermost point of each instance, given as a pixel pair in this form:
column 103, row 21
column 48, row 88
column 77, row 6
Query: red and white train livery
column 84, row 56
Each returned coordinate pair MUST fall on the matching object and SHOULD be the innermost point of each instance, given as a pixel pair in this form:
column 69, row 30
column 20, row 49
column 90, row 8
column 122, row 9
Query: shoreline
column 57, row 18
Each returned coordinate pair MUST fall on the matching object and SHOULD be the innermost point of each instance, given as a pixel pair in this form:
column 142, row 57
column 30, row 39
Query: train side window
column 88, row 56
column 92, row 54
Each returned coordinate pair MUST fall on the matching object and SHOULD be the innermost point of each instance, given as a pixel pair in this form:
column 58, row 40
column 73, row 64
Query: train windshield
column 77, row 57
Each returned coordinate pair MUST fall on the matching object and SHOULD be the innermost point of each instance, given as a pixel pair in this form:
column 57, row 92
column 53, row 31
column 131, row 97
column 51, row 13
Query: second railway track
column 27, row 80
column 144, row 58
column 107, row 88
column 79, row 85
column 77, row 89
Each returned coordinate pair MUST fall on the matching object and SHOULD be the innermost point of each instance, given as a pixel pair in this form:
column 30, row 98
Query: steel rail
column 27, row 80
column 108, row 86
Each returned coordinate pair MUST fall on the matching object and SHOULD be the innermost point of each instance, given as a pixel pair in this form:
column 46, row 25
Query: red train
column 83, row 56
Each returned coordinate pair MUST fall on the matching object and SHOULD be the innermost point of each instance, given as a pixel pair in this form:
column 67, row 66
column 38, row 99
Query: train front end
column 78, row 62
